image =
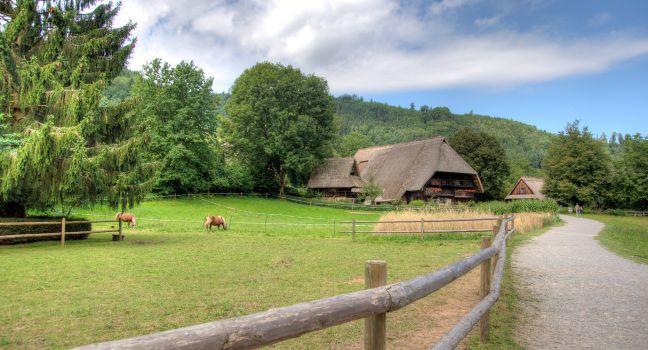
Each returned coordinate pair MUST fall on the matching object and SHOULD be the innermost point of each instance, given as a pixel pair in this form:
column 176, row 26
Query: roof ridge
column 401, row 143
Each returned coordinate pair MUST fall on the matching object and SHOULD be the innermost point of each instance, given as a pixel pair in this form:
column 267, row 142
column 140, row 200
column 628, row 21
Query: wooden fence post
column 353, row 230
column 333, row 227
column 422, row 227
column 375, row 327
column 121, row 231
column 63, row 231
column 495, row 232
column 485, row 281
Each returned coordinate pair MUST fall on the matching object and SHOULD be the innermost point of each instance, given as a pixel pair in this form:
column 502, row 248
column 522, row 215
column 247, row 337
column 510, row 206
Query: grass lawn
column 169, row 274
column 625, row 235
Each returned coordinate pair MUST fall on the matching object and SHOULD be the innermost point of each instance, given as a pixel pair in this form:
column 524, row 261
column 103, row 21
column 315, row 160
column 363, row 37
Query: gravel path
column 577, row 294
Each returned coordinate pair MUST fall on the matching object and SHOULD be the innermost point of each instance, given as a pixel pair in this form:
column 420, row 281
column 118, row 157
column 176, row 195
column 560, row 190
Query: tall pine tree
column 56, row 59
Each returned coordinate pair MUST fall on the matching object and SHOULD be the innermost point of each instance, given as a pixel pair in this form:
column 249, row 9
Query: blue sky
column 541, row 62
column 614, row 99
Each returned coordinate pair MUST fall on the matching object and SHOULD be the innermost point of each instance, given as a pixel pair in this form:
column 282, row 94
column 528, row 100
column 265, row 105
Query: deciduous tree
column 179, row 109
column 280, row 121
column 486, row 155
column 577, row 168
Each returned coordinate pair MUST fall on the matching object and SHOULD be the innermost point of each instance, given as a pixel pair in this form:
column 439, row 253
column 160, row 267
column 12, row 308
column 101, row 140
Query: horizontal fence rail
column 274, row 325
column 420, row 230
column 62, row 233
column 636, row 212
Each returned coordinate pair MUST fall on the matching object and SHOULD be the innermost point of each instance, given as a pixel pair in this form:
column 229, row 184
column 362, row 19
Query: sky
column 544, row 63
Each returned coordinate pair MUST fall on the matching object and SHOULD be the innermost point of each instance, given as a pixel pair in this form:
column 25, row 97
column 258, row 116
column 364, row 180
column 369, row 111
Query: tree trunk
column 12, row 209
column 282, row 183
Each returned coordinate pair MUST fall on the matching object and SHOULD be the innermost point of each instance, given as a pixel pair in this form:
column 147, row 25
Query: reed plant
column 409, row 221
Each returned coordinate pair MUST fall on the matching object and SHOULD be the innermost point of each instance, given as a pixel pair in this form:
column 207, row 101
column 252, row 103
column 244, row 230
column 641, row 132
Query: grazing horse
column 217, row 221
column 126, row 217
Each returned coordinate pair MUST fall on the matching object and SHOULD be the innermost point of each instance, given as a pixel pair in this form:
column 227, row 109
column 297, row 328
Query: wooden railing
column 636, row 212
column 422, row 230
column 62, row 232
column 275, row 325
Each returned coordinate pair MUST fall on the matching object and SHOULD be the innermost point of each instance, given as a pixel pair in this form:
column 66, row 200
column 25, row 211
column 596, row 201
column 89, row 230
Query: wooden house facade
column 527, row 188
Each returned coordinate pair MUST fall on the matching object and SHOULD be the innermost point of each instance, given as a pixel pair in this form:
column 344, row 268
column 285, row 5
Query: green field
column 172, row 273
column 625, row 235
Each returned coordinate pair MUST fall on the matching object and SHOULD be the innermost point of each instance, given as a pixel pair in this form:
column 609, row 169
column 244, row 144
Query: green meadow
column 170, row 272
column 625, row 235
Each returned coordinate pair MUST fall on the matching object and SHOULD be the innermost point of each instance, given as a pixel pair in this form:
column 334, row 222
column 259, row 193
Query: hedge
column 55, row 227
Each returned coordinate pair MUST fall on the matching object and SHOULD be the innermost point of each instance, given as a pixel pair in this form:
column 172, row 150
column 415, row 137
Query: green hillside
column 365, row 124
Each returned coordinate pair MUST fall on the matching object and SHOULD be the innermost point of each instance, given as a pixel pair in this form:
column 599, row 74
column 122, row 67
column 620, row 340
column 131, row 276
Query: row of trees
column 603, row 174
column 578, row 167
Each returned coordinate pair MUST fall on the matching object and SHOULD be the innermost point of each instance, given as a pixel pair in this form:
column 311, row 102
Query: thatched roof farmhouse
column 527, row 188
column 426, row 169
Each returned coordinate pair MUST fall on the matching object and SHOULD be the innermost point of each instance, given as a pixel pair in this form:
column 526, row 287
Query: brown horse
column 126, row 217
column 217, row 221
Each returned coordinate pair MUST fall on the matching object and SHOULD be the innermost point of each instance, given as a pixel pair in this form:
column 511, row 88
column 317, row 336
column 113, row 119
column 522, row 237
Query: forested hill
column 365, row 124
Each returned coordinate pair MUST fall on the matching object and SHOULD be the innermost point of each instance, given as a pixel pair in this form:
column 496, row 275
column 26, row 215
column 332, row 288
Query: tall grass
column 524, row 222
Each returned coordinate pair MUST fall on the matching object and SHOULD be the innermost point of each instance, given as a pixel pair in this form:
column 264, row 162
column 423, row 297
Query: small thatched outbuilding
column 426, row 169
column 527, row 188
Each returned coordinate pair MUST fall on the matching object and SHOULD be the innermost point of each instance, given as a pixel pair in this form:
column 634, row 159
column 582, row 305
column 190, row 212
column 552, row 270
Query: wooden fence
column 422, row 229
column 636, row 212
column 372, row 304
column 117, row 236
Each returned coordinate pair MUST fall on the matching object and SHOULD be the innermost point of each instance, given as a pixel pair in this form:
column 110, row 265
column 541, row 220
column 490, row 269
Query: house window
column 522, row 190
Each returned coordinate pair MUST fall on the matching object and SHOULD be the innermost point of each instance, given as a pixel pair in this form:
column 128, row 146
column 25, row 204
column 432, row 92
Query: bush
column 55, row 227
column 615, row 212
column 417, row 203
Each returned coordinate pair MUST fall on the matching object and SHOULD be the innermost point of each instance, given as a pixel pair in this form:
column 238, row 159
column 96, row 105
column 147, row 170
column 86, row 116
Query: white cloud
column 488, row 21
column 360, row 45
column 439, row 7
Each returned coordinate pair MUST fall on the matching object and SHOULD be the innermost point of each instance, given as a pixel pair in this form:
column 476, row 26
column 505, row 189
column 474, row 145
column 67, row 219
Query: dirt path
column 577, row 294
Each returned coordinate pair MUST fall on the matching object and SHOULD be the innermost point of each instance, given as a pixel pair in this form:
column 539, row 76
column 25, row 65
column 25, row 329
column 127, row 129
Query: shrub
column 55, row 227
column 615, row 212
column 417, row 203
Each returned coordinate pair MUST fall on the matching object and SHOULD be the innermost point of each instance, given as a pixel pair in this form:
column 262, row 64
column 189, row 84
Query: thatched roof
column 535, row 184
column 409, row 166
column 335, row 173
column 395, row 168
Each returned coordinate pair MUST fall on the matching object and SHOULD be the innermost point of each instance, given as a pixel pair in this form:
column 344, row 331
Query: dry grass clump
column 524, row 222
